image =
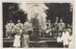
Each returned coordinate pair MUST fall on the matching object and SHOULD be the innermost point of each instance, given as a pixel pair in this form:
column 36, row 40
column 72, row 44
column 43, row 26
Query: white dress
column 17, row 41
column 59, row 39
column 65, row 38
column 71, row 43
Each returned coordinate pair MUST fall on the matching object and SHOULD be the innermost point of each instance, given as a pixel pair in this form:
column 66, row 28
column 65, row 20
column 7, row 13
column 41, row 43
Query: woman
column 19, row 31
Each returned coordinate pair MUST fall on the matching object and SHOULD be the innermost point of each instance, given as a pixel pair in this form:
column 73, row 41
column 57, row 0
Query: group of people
column 18, row 30
column 21, row 32
column 62, row 32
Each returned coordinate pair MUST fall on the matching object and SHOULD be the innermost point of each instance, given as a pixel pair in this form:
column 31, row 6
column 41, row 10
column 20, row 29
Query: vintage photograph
column 34, row 25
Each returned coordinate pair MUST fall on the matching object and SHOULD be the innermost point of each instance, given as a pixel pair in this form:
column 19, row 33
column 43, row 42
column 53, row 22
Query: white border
column 37, row 1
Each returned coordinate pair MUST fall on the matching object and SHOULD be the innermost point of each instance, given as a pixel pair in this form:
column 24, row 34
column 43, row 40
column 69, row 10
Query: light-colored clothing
column 59, row 39
column 65, row 38
column 27, row 26
column 19, row 25
column 9, row 27
column 71, row 43
column 48, row 30
column 61, row 26
column 17, row 41
column 19, row 28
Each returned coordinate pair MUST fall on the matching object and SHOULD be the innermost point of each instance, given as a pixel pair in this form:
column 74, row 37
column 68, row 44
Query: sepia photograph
column 37, row 25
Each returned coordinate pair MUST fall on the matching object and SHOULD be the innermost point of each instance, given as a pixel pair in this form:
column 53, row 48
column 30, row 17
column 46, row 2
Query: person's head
column 10, row 21
column 61, row 20
column 18, row 21
column 57, row 18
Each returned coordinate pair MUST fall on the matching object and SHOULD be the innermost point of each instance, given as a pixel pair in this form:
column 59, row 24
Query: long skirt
column 17, row 41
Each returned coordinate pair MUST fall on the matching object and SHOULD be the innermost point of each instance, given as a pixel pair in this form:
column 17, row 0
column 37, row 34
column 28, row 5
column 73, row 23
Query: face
column 19, row 21
column 61, row 20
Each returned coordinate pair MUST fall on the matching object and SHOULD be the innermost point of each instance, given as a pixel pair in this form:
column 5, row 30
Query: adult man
column 9, row 29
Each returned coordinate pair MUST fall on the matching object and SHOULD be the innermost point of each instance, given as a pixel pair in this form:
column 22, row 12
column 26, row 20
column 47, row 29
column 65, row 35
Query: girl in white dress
column 17, row 41
column 65, row 38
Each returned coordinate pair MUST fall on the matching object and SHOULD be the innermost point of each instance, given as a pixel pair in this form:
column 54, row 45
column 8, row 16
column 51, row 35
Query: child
column 59, row 40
